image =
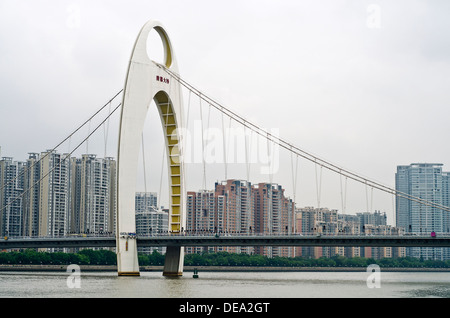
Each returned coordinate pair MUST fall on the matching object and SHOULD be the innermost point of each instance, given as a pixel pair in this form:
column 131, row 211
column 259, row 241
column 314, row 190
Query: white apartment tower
column 92, row 195
column 426, row 181
column 53, row 194
column 31, row 196
column 11, row 190
column 149, row 219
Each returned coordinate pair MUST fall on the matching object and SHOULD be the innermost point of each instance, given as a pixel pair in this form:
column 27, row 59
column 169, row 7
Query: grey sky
column 363, row 84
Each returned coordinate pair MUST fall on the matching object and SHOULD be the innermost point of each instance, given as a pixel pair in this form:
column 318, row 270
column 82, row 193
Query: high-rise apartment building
column 201, row 212
column 349, row 224
column 149, row 219
column 426, row 181
column 376, row 218
column 226, row 210
column 92, row 204
column 237, row 207
column 238, row 211
column 11, row 190
column 52, row 195
column 146, row 201
column 446, row 199
column 379, row 252
column 54, row 216
column 318, row 221
column 375, row 223
column 274, row 214
column 322, row 221
column 31, row 196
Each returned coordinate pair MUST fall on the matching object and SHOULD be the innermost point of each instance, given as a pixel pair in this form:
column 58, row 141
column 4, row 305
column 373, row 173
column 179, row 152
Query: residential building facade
column 236, row 207
column 11, row 200
column 149, row 219
column 428, row 182
column 92, row 184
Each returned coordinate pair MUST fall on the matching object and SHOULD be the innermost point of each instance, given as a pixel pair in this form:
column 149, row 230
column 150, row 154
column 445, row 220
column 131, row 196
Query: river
column 226, row 285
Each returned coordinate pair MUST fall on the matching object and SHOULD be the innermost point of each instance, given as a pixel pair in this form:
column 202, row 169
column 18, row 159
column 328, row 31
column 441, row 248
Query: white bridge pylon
column 146, row 81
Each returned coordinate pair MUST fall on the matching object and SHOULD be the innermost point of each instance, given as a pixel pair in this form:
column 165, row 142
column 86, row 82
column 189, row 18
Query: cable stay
column 393, row 210
column 207, row 136
column 229, row 139
column 87, row 141
column 65, row 158
column 184, row 137
column 164, row 154
column 371, row 199
column 318, row 185
column 270, row 160
column 64, row 140
column 343, row 193
column 224, row 148
column 367, row 199
column 68, row 144
column 369, row 202
column 106, row 132
column 161, row 175
column 203, row 144
column 300, row 152
column 294, row 175
column 247, row 155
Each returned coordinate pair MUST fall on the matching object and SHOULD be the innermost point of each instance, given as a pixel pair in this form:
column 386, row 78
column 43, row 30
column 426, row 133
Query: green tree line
column 229, row 259
column 84, row 257
column 106, row 257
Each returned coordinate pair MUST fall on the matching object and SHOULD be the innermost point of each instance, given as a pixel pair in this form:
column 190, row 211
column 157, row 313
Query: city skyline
column 52, row 195
column 74, row 160
column 349, row 92
column 79, row 197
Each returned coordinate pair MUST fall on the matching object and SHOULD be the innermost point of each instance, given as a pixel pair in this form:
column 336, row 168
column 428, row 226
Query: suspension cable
column 302, row 153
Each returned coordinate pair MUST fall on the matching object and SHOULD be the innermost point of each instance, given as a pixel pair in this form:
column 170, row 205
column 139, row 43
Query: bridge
column 234, row 240
column 148, row 81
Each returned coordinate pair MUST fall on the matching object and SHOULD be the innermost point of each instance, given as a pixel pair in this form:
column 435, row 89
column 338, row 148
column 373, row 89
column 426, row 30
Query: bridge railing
column 232, row 234
column 310, row 234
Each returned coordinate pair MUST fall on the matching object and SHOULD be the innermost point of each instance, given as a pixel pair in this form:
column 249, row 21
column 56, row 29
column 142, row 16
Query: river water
column 226, row 285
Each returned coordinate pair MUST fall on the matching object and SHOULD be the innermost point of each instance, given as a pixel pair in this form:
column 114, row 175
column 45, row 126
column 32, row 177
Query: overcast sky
column 363, row 84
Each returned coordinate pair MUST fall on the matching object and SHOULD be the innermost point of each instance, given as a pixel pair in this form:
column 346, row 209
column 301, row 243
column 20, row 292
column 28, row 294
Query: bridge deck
column 239, row 240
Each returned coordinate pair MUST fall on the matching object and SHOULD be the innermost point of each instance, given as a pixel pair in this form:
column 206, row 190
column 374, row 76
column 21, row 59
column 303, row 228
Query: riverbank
column 113, row 268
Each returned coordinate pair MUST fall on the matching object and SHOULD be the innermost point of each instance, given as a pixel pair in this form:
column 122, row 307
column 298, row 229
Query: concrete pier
column 173, row 264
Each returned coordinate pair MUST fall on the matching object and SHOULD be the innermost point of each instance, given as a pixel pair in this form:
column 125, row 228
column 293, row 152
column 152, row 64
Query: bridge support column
column 174, row 260
column 127, row 260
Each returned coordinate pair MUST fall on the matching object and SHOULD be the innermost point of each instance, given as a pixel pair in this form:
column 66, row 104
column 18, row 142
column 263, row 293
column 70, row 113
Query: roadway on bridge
column 232, row 240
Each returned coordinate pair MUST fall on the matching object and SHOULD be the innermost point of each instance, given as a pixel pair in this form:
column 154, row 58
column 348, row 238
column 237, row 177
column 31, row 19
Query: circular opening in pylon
column 158, row 47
